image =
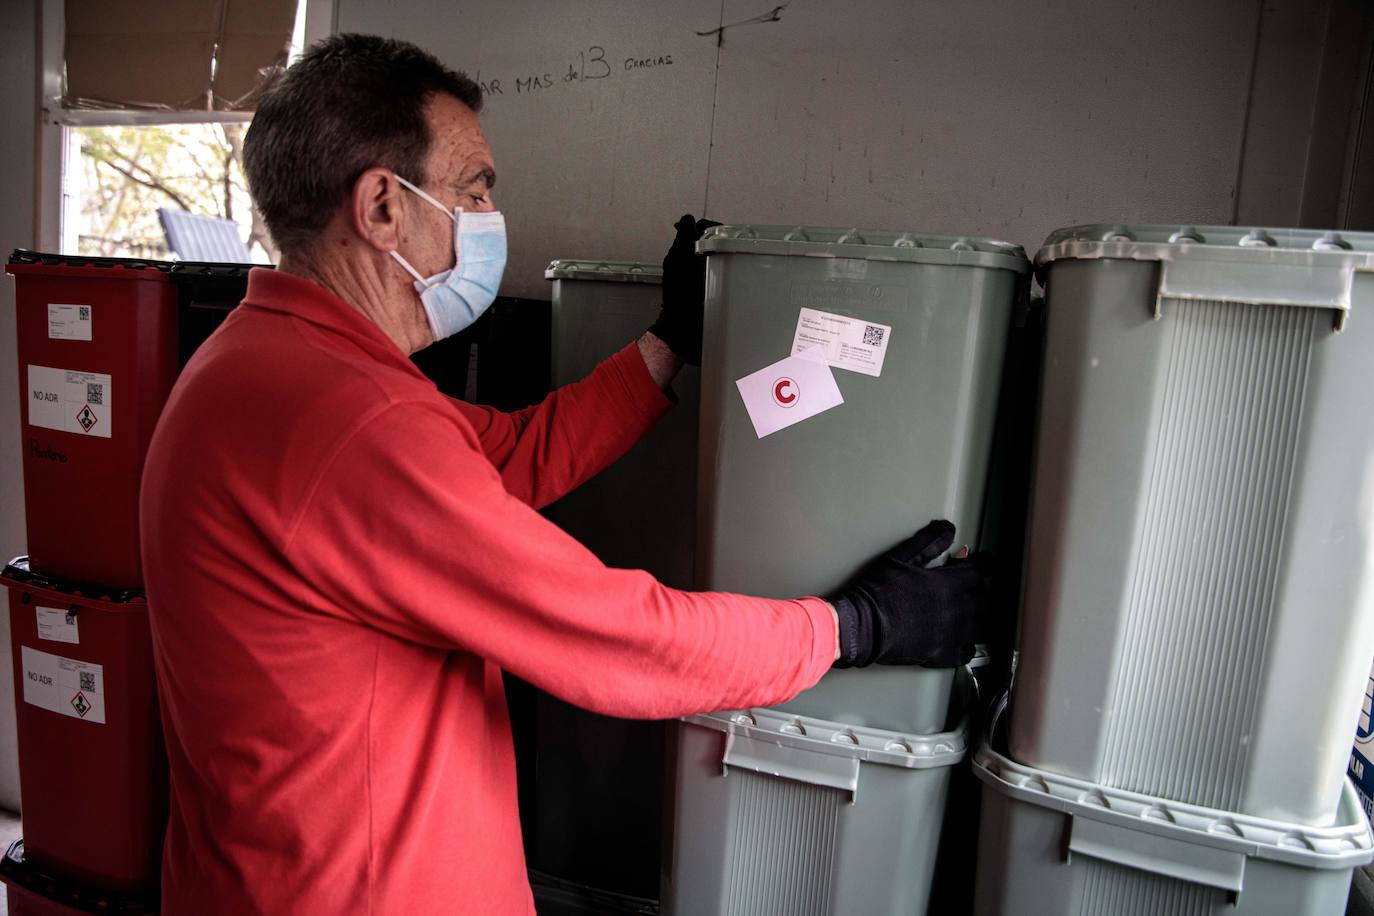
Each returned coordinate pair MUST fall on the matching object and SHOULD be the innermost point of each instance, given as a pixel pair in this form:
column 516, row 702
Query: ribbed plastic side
column 1208, row 556
column 1114, row 890
column 783, row 847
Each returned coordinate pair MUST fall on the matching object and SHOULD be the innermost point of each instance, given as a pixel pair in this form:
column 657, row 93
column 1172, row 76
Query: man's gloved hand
column 900, row 611
column 684, row 289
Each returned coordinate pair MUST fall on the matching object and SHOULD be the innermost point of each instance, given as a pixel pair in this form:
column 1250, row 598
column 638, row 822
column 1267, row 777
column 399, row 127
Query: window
column 118, row 178
column 108, row 171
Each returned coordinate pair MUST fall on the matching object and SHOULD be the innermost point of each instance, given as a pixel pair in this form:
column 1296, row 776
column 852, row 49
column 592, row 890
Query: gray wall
column 984, row 118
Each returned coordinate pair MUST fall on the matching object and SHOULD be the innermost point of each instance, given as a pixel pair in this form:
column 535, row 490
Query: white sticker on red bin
column 64, row 685
column 58, row 625
column 69, row 322
column 70, row 401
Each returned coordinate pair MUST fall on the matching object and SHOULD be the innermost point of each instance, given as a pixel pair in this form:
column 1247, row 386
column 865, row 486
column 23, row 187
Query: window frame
column 52, row 203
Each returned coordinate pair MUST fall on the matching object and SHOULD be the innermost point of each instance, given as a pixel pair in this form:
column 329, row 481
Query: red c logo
column 785, row 392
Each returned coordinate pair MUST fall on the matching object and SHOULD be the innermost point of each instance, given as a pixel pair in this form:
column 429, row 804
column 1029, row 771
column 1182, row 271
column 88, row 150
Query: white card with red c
column 789, row 391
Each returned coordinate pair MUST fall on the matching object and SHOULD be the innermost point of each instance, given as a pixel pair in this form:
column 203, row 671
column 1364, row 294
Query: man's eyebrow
column 484, row 174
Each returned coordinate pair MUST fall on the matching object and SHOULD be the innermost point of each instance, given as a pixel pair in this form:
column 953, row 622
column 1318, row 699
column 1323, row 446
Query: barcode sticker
column 64, row 685
column 58, row 625
column 849, row 343
column 69, row 322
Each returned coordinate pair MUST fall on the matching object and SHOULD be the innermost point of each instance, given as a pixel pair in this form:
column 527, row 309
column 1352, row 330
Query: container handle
column 796, row 764
column 1258, row 284
column 1158, row 855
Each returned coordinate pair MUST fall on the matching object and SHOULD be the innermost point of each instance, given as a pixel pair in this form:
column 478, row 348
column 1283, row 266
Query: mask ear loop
column 410, row 270
column 447, row 212
column 426, row 196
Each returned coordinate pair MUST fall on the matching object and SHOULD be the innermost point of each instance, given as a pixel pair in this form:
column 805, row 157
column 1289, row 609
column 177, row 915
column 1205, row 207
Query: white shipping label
column 69, row 322
column 1362, row 760
column 849, row 343
column 58, row 625
column 789, row 391
column 64, row 685
column 74, row 402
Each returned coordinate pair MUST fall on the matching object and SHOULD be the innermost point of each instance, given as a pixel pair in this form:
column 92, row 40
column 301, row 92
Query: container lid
column 1217, row 243
column 192, row 270
column 836, row 739
column 605, row 271
column 1301, row 267
column 17, row 574
column 1189, row 826
column 866, row 244
column 23, row 261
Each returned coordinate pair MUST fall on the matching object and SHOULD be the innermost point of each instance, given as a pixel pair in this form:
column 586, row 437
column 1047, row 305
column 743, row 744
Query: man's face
column 458, row 173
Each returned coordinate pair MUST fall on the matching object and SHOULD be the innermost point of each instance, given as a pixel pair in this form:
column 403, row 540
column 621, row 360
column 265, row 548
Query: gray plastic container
column 1050, row 845
column 639, row 513
column 783, row 815
column 599, row 792
column 1198, row 611
column 798, row 512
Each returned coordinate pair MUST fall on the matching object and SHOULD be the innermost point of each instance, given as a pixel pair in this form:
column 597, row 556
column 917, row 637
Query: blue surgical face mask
column 456, row 298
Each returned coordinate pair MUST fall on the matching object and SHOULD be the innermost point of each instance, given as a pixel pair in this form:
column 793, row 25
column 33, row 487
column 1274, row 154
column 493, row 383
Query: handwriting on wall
column 590, row 64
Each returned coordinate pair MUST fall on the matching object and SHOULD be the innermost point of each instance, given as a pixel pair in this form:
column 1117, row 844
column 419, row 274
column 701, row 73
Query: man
column 340, row 561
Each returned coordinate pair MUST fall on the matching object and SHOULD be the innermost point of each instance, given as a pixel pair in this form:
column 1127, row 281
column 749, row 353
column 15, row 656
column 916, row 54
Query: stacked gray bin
column 599, row 790
column 783, row 815
column 1198, row 610
column 1052, row 844
column 833, row 802
column 797, row 512
column 638, row 513
column 1199, row 603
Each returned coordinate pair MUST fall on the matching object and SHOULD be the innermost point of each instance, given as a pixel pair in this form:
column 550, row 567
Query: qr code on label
column 88, row 680
column 83, row 312
column 873, row 337
column 95, row 393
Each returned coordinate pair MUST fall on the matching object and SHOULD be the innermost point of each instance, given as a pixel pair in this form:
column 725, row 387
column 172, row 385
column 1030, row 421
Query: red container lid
column 23, row 262
column 17, row 574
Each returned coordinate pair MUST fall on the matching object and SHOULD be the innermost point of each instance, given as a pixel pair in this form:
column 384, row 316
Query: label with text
column 1361, row 767
column 848, row 343
column 74, row 402
column 64, row 685
column 69, row 322
column 58, row 625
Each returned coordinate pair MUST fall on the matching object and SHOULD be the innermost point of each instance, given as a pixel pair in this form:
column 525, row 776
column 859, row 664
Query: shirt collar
column 300, row 298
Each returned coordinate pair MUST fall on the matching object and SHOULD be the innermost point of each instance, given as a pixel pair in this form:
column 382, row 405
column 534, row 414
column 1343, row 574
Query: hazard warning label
column 74, row 402
column 64, row 685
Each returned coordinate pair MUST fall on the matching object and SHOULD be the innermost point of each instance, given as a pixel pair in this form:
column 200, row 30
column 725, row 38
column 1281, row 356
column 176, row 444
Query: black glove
column 899, row 611
column 684, row 291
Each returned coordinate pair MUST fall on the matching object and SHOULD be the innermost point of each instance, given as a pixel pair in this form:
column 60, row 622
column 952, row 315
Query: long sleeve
column 427, row 544
column 547, row 450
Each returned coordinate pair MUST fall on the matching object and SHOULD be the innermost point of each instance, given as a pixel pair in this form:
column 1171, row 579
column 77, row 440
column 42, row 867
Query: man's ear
column 375, row 208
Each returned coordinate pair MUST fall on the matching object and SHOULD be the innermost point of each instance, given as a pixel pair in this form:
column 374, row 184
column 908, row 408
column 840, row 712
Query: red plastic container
column 30, row 892
column 23, row 901
column 92, row 767
column 97, row 359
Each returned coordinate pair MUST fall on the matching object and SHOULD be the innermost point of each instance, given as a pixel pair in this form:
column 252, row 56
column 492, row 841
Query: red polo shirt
column 340, row 561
